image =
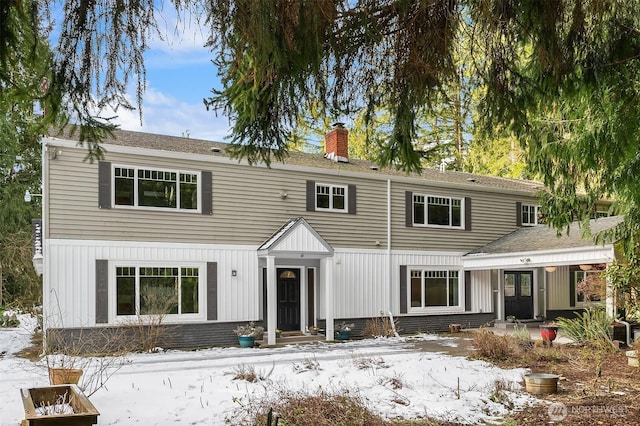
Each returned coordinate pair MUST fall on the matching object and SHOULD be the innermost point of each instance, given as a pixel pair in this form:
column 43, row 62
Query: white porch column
column 327, row 268
column 610, row 300
column 272, row 300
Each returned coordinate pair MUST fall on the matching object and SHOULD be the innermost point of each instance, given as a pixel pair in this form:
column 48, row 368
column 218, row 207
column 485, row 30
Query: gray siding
column 492, row 215
column 247, row 208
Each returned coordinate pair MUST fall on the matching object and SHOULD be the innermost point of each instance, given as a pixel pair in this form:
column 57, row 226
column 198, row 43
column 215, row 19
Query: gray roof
column 542, row 237
column 203, row 147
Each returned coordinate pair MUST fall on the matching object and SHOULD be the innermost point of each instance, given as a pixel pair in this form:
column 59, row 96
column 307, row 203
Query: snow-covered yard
column 198, row 388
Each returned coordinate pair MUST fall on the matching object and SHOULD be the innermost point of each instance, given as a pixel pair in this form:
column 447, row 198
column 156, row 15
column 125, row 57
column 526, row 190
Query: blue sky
column 179, row 75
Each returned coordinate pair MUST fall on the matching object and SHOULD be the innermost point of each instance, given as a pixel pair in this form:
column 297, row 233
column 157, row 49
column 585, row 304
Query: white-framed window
column 156, row 188
column 589, row 287
column 434, row 288
column 530, row 215
column 331, row 197
column 430, row 210
column 175, row 290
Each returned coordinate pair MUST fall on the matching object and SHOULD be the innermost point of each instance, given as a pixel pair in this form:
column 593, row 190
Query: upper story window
column 156, row 188
column 331, row 197
column 431, row 288
column 437, row 211
column 530, row 215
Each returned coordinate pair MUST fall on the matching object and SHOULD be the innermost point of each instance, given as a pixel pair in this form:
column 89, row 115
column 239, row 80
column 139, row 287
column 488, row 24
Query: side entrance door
column 518, row 294
column 288, row 299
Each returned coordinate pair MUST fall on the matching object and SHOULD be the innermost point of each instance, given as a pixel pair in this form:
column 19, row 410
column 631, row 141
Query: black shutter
column 403, row 289
column 102, row 291
column 467, row 291
column 212, row 291
column 408, row 208
column 311, row 196
column 104, row 185
column 572, row 288
column 518, row 213
column 352, row 199
column 206, row 195
column 467, row 213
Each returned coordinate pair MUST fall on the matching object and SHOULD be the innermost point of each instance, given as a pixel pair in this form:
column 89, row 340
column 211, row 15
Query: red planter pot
column 548, row 333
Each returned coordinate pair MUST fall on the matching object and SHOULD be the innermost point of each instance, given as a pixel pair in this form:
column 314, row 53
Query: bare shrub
column 499, row 392
column 249, row 373
column 146, row 330
column 99, row 356
column 318, row 409
column 491, row 346
column 363, row 363
column 308, row 364
column 381, row 326
column 394, row 382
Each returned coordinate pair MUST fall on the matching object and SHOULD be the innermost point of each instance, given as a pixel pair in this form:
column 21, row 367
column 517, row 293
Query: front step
column 293, row 338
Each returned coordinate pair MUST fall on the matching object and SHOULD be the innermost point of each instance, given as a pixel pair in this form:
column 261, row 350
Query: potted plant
column 247, row 334
column 343, row 331
column 278, row 333
column 548, row 332
column 314, row 329
column 511, row 318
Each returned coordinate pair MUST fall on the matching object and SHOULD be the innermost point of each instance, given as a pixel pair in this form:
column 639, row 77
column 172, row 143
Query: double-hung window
column 154, row 290
column 434, row 288
column 156, row 188
column 331, row 197
column 437, row 211
column 530, row 215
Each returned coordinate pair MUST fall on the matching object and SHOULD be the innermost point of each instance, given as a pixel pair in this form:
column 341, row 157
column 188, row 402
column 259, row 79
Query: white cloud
column 166, row 115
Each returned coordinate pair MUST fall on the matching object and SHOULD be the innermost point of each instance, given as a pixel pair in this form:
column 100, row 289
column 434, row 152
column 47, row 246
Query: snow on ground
column 197, row 388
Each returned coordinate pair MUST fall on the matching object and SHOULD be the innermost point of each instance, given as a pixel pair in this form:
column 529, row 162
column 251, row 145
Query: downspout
column 45, row 240
column 389, row 263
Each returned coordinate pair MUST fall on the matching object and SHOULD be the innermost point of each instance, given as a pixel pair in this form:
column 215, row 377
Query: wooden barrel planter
column 541, row 383
column 58, row 405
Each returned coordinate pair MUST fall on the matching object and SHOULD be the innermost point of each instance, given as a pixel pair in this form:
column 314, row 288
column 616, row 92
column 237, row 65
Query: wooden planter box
column 64, row 376
column 57, row 406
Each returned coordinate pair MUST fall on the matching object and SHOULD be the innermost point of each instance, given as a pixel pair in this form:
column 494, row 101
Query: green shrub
column 590, row 327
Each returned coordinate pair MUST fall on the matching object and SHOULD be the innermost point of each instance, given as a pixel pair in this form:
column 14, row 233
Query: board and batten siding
column 481, row 294
column 492, row 216
column 558, row 294
column 69, row 292
column 360, row 284
column 247, row 205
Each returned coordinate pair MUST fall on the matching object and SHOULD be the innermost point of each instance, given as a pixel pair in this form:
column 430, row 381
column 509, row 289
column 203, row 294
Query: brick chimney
column 337, row 143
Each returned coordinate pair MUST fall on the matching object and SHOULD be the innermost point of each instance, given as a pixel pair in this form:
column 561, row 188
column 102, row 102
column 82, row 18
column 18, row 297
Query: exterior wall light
column 28, row 195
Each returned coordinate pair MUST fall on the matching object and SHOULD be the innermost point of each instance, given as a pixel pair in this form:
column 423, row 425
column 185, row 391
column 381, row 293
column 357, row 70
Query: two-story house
column 314, row 240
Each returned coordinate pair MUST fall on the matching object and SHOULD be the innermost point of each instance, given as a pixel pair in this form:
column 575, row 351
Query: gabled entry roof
column 541, row 246
column 298, row 239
